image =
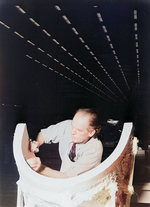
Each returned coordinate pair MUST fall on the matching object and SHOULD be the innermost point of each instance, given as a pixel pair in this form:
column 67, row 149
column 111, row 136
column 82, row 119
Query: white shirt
column 88, row 155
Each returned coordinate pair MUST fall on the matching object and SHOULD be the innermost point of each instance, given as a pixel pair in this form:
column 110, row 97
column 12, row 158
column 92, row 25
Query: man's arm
column 40, row 139
column 36, row 144
column 35, row 164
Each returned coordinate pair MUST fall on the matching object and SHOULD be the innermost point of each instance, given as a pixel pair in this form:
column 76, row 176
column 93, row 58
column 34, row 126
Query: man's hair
column 94, row 119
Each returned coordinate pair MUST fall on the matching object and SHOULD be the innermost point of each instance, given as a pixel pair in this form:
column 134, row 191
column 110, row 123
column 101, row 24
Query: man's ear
column 91, row 133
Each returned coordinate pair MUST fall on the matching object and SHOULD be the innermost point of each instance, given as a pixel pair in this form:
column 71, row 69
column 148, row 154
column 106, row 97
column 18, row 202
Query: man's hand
column 34, row 146
column 35, row 163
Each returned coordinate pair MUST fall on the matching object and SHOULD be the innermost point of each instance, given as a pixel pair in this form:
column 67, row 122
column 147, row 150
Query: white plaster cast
column 40, row 191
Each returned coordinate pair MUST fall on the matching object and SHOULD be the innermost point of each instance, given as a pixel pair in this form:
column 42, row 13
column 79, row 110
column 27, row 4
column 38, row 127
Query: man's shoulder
column 96, row 143
column 66, row 122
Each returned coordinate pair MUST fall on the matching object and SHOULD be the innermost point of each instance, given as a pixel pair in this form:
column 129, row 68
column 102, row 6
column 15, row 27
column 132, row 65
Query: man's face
column 81, row 131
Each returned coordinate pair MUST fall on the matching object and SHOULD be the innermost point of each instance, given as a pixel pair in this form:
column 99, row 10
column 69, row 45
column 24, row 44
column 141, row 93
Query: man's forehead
column 81, row 119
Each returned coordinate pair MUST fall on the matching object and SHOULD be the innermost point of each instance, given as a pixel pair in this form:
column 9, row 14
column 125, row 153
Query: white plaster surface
column 41, row 191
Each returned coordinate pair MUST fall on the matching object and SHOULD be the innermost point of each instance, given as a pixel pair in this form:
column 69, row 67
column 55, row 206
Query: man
column 79, row 148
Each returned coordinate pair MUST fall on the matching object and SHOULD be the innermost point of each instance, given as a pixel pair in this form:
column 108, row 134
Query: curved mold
column 100, row 186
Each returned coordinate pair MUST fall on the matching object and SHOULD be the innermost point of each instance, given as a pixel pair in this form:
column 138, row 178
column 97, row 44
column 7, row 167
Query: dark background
column 44, row 87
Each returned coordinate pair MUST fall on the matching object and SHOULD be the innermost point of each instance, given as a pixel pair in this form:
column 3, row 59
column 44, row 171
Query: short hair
column 94, row 119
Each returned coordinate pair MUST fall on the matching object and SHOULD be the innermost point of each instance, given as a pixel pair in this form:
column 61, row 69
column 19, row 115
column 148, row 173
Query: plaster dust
column 100, row 199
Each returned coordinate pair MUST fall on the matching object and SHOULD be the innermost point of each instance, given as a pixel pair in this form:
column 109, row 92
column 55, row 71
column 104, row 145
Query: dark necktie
column 72, row 152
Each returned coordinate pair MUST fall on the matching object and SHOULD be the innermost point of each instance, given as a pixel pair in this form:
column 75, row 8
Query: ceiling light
column 34, row 22
column 75, row 31
column 135, row 26
column 111, row 46
column 56, row 42
column 30, row 42
column 108, row 38
column 135, row 14
column 57, row 7
column 66, row 19
column 37, row 61
column 63, row 48
column 44, row 65
column 104, row 28
column 91, row 53
column 87, row 47
column 80, row 38
column 19, row 35
column 136, row 36
column 56, row 60
column 99, row 17
column 40, row 49
column 50, row 68
column 70, row 54
column 46, row 32
column 62, row 64
column 49, row 55
column 4, row 25
column 20, row 9
column 75, row 59
column 29, row 56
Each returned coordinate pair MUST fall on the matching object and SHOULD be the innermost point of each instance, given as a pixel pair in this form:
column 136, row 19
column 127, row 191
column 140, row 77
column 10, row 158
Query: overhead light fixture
column 135, row 14
column 80, row 38
column 111, row 46
column 37, row 61
column 30, row 42
column 87, row 47
column 29, row 56
column 44, row 65
column 66, row 19
column 135, row 26
column 104, row 28
column 75, row 31
column 5, row 25
column 18, row 34
column 91, row 53
column 49, row 55
column 136, row 36
column 57, row 7
column 20, row 9
column 99, row 17
column 46, row 32
column 41, row 49
column 34, row 22
column 64, row 48
column 108, row 38
column 56, row 42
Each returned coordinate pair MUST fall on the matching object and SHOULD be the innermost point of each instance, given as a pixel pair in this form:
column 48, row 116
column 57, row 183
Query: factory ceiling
column 57, row 56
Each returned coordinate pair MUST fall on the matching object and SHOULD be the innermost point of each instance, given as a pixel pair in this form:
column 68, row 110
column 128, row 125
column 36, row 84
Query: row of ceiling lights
column 80, row 38
column 62, row 47
column 2, row 23
column 87, row 47
column 75, row 31
column 136, row 44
